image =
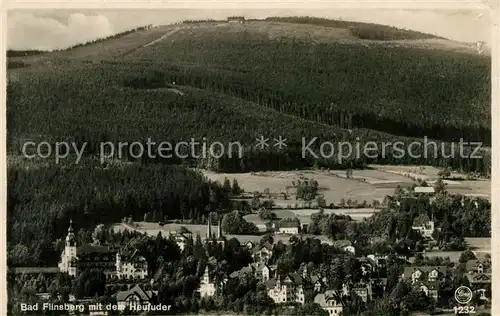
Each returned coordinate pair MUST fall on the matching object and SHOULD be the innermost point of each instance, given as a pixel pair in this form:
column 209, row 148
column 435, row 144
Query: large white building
column 114, row 262
column 287, row 289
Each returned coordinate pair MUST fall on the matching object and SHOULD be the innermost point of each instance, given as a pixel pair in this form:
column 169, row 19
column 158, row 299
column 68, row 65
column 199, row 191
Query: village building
column 424, row 273
column 289, row 226
column 181, row 238
column 250, row 245
column 426, row 278
column 236, row 19
column 431, row 289
column 479, row 276
column 263, row 253
column 427, row 190
column 345, row 245
column 135, row 296
column 263, row 272
column 362, row 289
column 111, row 260
column 314, row 281
column 131, row 266
column 286, row 289
column 330, row 302
column 378, row 260
column 424, row 226
column 209, row 285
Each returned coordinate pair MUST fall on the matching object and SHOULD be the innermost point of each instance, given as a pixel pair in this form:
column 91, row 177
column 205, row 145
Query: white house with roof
column 207, row 285
column 423, row 225
column 289, row 226
column 135, row 296
column 263, row 253
column 330, row 302
column 131, row 266
column 286, row 289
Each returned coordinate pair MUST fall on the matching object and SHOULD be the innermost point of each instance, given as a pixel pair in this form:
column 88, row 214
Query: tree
column 466, row 256
column 236, row 188
column 439, row 186
column 255, row 204
column 444, row 173
column 266, row 214
column 234, row 223
column 321, row 201
column 227, row 186
column 311, row 309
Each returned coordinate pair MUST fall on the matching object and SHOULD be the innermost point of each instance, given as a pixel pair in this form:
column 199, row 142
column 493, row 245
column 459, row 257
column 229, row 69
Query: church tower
column 69, row 254
column 71, row 241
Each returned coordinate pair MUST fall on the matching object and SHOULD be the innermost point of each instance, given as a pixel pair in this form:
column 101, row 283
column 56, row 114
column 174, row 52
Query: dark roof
column 429, row 285
column 271, row 283
column 242, row 272
column 479, row 278
column 472, row 264
column 323, row 298
column 89, row 249
column 266, row 245
column 33, row 270
column 421, row 220
column 144, row 296
column 289, row 223
column 342, row 243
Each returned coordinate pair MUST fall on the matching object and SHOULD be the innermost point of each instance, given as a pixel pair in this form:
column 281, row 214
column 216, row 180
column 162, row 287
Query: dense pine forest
column 43, row 197
column 225, row 85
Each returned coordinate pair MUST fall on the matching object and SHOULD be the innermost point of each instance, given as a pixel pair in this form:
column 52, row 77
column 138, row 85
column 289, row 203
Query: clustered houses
column 114, row 262
column 426, row 278
column 479, row 276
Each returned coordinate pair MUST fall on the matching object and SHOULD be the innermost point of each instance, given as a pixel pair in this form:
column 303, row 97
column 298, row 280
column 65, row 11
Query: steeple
column 70, row 238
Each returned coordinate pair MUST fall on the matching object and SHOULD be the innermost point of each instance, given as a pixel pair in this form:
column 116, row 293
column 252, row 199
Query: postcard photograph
column 249, row 162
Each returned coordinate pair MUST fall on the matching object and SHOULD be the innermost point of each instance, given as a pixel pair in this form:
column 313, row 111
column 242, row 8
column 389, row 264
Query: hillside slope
column 240, row 81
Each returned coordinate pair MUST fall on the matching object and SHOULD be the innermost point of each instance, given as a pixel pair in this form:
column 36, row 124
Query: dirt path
column 164, row 36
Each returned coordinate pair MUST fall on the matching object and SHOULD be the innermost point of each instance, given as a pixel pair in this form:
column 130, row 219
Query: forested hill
column 257, row 77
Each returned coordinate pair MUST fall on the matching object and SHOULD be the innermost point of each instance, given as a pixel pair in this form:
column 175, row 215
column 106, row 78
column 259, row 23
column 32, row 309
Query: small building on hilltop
column 236, row 19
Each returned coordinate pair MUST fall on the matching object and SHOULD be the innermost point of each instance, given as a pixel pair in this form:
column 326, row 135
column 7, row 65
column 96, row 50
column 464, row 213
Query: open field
column 152, row 229
column 480, row 247
column 366, row 185
column 479, row 187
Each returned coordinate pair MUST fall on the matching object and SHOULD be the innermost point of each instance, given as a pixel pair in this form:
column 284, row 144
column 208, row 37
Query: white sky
column 52, row 29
